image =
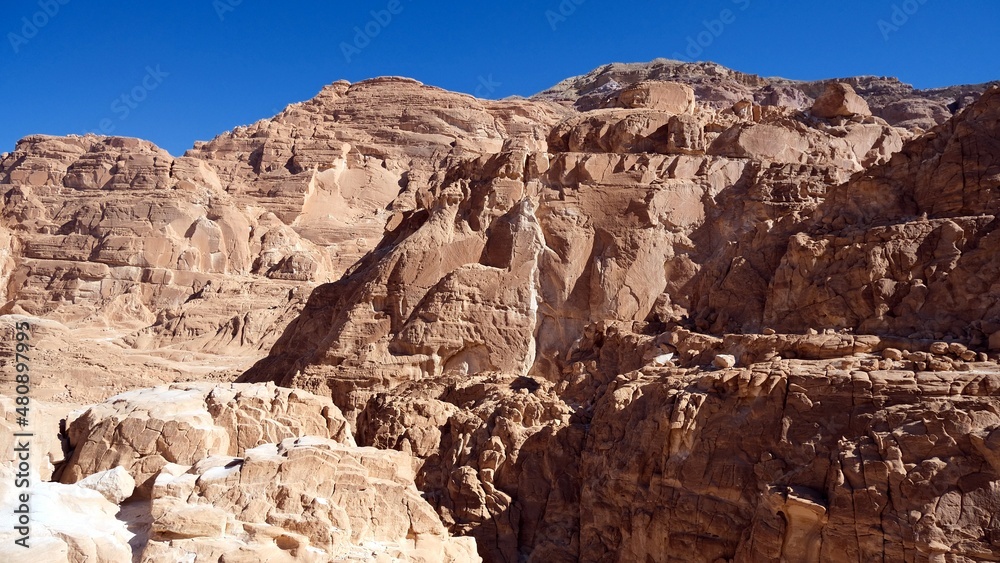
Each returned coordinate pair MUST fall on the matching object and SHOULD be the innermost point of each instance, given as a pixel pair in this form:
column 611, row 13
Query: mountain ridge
column 663, row 312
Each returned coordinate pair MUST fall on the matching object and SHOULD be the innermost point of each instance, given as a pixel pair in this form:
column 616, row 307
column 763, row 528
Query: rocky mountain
column 180, row 266
column 658, row 312
column 898, row 103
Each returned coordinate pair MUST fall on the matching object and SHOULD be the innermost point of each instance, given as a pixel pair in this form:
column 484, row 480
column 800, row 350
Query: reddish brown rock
column 669, row 97
column 484, row 442
column 656, row 312
column 305, row 499
column 899, row 104
column 840, row 100
column 141, row 431
column 913, row 237
column 880, row 476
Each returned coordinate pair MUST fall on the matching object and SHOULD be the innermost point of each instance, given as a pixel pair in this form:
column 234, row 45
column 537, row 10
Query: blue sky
column 200, row 67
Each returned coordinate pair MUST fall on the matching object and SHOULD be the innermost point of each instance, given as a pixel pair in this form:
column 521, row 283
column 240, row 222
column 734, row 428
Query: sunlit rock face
column 658, row 312
column 641, row 231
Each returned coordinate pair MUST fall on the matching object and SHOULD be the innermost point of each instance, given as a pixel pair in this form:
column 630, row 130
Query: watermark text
column 22, row 439
column 32, row 25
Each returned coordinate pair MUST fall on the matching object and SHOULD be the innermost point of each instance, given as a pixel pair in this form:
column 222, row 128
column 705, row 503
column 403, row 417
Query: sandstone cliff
column 658, row 312
column 900, row 104
column 477, row 336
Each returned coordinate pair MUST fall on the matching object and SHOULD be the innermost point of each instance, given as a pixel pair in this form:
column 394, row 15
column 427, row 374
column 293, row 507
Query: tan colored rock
column 103, row 251
column 940, row 348
column 514, row 274
column 616, row 131
column 177, row 521
column 447, row 296
column 146, row 256
column 142, row 431
column 913, row 113
column 840, row 100
column 9, row 250
column 762, row 141
column 941, row 232
column 669, row 97
column 304, row 496
column 900, row 104
column 68, row 524
column 892, row 354
column 116, row 484
column 685, row 135
column 724, row 361
column 205, row 258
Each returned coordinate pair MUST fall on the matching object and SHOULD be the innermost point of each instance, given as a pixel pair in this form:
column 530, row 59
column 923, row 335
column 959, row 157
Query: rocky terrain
column 896, row 102
column 659, row 312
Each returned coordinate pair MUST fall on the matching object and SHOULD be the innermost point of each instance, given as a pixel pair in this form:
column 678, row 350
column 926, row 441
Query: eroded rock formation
column 305, row 499
column 200, row 261
column 230, row 472
column 658, row 312
column 708, row 221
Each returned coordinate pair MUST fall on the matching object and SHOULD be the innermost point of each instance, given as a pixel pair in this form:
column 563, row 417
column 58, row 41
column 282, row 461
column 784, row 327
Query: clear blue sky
column 65, row 76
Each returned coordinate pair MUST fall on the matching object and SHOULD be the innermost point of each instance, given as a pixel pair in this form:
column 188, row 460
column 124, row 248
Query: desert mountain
column 657, row 312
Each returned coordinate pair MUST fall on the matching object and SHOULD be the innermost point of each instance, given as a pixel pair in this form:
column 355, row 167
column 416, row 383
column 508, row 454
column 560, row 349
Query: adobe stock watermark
column 364, row 35
column 562, row 12
column 22, row 440
column 486, row 86
column 901, row 14
column 223, row 7
column 125, row 104
column 31, row 26
column 713, row 29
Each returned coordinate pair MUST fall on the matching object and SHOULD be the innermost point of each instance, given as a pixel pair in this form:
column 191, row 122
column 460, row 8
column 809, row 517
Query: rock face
column 304, row 499
column 840, row 100
column 199, row 261
column 898, row 103
column 231, row 472
column 68, row 523
column 497, row 459
column 658, row 312
column 512, row 266
column 120, row 242
column 166, row 269
column 508, row 257
column 897, row 230
column 335, row 168
column 793, row 461
column 913, row 238
column 142, row 431
column 670, row 97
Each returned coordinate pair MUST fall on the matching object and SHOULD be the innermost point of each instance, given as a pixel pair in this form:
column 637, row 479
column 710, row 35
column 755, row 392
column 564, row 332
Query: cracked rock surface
column 658, row 312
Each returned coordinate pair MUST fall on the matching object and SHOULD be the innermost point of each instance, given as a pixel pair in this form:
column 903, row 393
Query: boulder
column 724, row 361
column 840, row 100
column 143, row 430
column 669, row 97
column 303, row 496
column 116, row 484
